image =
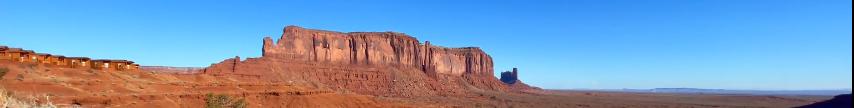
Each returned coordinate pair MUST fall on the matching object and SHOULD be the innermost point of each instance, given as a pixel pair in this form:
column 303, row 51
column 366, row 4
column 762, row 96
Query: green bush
column 3, row 72
column 223, row 101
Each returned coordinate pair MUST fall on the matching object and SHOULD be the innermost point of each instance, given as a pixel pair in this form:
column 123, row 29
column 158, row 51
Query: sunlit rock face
column 373, row 63
column 377, row 48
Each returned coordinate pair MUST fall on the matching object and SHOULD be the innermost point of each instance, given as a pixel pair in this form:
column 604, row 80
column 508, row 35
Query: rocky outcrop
column 227, row 65
column 510, row 77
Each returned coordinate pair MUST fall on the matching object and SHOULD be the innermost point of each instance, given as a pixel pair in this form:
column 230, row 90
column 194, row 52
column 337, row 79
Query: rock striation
column 377, row 48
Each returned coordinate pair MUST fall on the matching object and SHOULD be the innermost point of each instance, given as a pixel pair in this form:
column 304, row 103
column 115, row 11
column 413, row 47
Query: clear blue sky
column 596, row 44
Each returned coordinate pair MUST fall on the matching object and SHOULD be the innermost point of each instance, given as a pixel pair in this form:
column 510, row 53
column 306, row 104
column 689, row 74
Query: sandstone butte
column 372, row 63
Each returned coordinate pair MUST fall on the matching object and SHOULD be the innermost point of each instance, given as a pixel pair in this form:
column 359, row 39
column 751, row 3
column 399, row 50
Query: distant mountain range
column 725, row 91
column 173, row 70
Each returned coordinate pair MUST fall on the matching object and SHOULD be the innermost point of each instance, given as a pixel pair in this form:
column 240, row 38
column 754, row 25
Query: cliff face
column 377, row 48
column 373, row 63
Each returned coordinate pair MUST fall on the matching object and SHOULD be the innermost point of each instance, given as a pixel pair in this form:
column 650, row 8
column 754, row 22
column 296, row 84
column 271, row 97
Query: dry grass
column 9, row 101
column 223, row 101
column 3, row 71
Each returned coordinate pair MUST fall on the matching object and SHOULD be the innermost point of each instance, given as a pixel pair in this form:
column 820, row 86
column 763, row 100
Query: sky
column 559, row 44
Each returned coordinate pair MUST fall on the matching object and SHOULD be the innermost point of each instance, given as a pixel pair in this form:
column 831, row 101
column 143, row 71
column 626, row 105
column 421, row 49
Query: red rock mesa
column 377, row 63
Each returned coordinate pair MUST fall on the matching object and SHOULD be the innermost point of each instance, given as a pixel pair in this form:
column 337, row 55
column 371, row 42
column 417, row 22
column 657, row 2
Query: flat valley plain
column 608, row 99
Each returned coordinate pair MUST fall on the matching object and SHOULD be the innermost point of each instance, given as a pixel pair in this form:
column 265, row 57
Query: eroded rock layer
column 376, row 48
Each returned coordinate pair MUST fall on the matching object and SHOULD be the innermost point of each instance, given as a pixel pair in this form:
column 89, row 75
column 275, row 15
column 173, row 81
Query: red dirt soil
column 141, row 89
column 94, row 88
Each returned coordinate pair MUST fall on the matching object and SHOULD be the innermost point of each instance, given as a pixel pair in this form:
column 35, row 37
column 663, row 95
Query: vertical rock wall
column 377, row 49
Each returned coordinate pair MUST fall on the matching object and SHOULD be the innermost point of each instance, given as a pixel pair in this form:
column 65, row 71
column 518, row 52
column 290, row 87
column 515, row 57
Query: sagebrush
column 9, row 101
column 223, row 101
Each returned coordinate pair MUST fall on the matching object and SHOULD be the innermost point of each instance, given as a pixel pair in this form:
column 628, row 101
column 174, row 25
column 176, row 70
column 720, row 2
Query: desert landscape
column 319, row 68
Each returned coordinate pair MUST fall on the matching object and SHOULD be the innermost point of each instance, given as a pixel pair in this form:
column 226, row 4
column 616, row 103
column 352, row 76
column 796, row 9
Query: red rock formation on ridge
column 376, row 48
column 374, row 63
column 510, row 77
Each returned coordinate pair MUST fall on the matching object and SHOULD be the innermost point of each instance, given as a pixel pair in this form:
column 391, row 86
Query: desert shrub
column 9, row 101
column 223, row 101
column 3, row 71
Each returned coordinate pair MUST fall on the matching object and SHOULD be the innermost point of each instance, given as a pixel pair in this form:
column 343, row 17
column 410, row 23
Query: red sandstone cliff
column 376, row 48
column 378, row 63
